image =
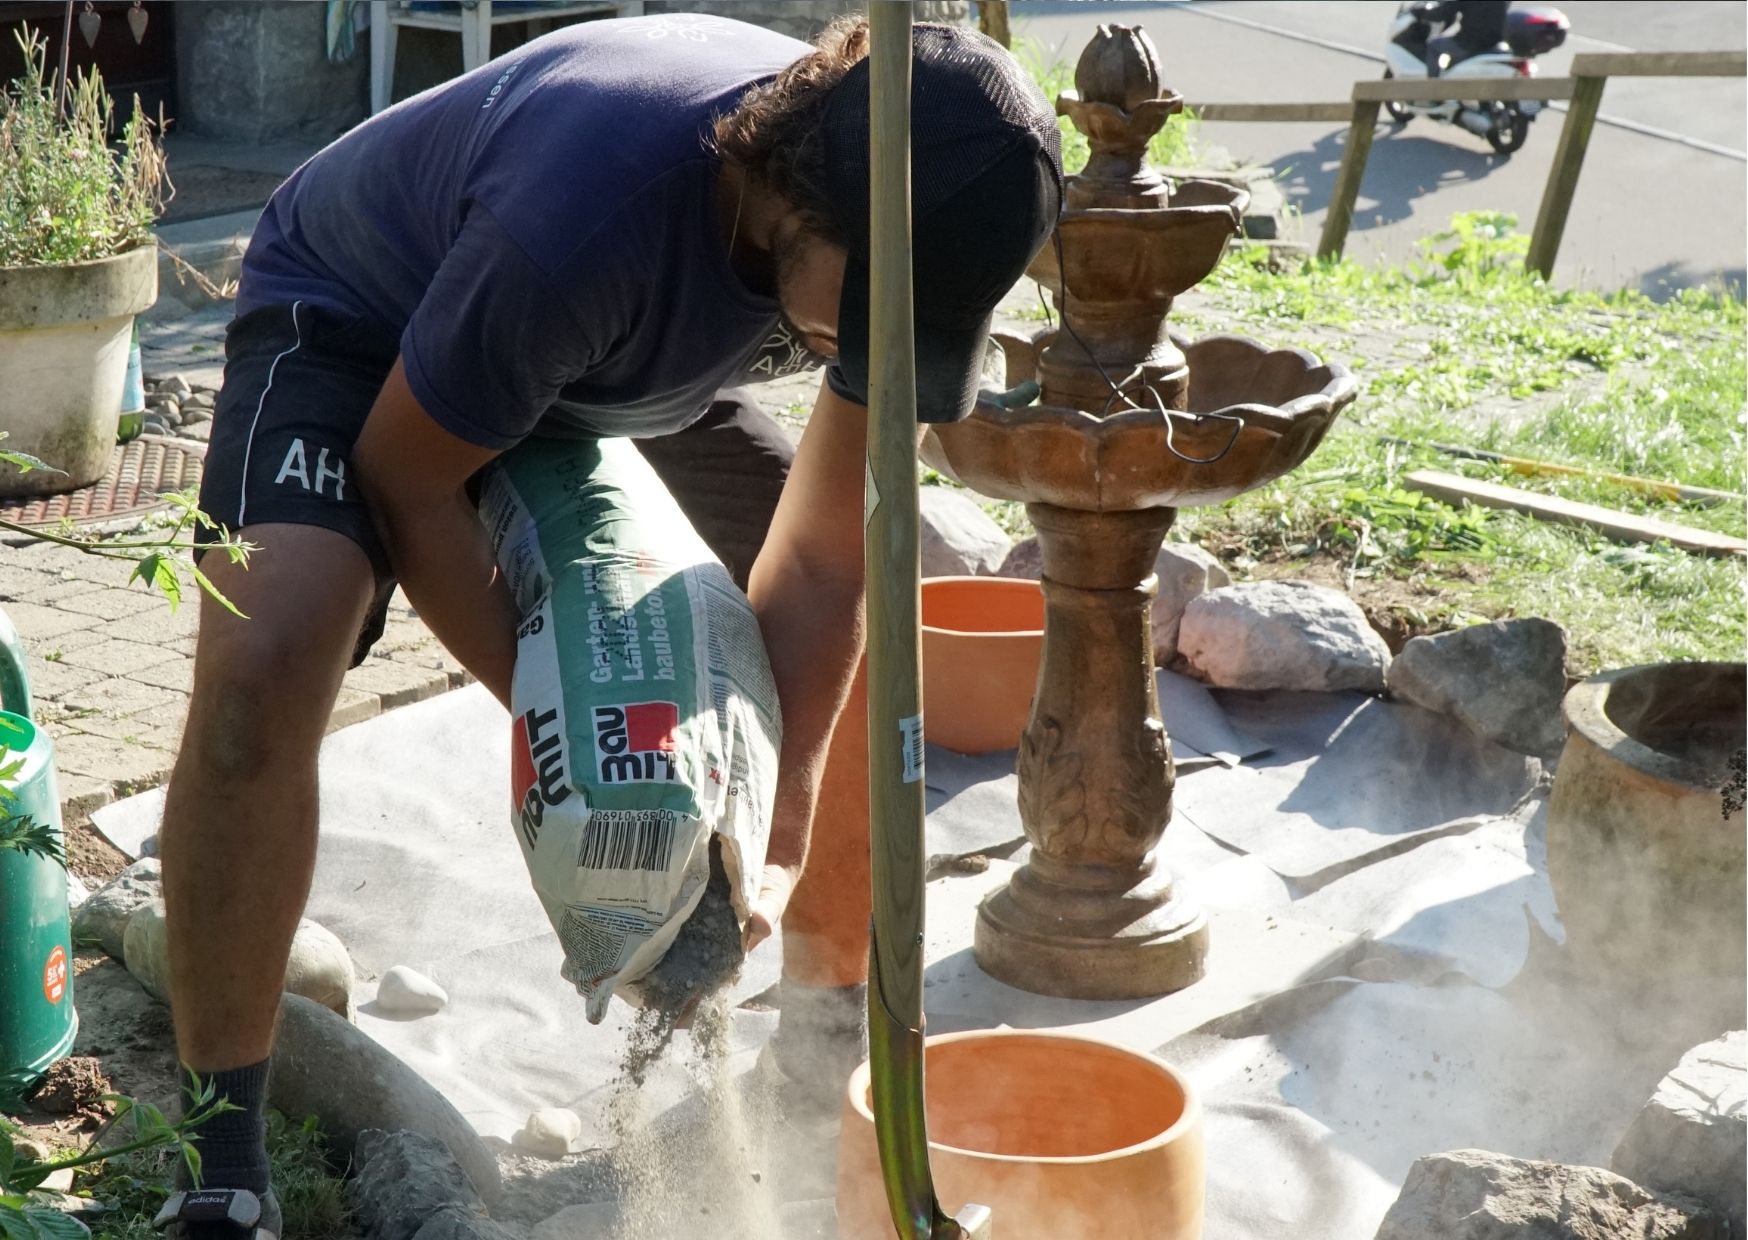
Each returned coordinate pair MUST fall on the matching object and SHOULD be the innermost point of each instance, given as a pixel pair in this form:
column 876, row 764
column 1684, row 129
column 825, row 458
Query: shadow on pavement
column 1402, row 168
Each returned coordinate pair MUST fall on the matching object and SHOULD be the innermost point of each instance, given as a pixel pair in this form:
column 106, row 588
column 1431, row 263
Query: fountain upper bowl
column 1260, row 411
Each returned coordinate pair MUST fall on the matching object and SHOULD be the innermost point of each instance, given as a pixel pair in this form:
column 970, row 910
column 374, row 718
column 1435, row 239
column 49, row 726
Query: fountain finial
column 1119, row 104
column 1119, row 67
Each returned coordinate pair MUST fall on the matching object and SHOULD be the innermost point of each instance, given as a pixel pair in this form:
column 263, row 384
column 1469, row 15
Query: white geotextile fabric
column 1371, row 841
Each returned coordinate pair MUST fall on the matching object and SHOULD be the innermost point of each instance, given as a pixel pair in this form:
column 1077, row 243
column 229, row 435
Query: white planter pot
column 64, row 335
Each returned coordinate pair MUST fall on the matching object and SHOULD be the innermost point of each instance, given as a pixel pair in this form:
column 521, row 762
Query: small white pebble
column 407, row 992
column 552, row 1133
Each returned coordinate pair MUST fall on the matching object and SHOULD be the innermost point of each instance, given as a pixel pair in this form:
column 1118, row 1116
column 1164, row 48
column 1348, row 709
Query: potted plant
column 77, row 263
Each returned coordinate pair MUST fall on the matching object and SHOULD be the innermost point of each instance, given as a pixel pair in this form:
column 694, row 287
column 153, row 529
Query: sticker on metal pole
column 870, row 496
column 912, row 731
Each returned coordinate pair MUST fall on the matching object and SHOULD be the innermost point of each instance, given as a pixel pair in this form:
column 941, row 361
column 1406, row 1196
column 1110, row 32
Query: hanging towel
column 343, row 20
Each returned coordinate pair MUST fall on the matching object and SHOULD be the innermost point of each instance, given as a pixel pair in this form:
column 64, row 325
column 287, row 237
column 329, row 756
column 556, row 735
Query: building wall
column 259, row 72
column 803, row 18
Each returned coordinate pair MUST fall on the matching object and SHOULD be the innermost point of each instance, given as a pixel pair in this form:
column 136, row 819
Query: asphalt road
column 1661, row 200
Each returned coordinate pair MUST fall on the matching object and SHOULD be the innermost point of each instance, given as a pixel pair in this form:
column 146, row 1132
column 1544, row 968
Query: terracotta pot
column 1063, row 1137
column 983, row 638
column 1646, row 848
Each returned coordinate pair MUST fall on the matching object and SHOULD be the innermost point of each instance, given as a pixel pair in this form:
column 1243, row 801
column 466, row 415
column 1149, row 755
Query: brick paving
column 111, row 666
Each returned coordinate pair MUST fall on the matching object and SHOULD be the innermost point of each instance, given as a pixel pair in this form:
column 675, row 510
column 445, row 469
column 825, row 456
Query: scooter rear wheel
column 1510, row 128
column 1398, row 110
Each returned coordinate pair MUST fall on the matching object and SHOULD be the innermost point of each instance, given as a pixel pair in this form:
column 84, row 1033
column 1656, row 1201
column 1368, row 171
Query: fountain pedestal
column 1091, row 914
column 1133, row 423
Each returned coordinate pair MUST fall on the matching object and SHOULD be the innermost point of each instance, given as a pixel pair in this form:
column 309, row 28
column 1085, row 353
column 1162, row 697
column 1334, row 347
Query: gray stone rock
column 1024, row 561
column 1281, row 635
column 456, row 1223
column 597, row 1220
column 198, row 400
column 1692, row 1136
column 1185, row 572
column 1477, row 1195
column 407, row 992
column 152, row 424
column 102, row 918
column 201, row 431
column 319, row 967
column 194, row 415
column 175, row 385
column 145, row 949
column 958, row 538
column 1504, row 680
column 400, row 1179
column 325, row 1067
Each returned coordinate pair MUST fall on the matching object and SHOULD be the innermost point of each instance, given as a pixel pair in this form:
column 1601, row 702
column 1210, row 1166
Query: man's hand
column 775, row 888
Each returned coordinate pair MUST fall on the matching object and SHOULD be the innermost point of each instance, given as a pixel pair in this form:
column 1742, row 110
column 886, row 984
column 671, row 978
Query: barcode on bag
column 912, row 731
column 626, row 840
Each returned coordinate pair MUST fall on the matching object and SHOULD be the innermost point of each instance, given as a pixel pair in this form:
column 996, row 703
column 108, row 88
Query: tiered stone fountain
column 1133, row 422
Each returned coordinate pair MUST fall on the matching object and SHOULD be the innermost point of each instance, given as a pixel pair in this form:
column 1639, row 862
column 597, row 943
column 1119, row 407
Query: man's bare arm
column 806, row 589
column 415, row 475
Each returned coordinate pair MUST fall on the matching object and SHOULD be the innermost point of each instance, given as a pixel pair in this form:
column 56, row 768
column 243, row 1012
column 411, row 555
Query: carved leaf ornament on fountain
column 1133, row 421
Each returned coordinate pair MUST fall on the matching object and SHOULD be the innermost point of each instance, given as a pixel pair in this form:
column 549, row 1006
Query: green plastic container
column 37, row 1020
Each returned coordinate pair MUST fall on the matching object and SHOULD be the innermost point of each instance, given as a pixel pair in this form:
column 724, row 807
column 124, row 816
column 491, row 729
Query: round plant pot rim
column 132, row 251
column 1187, row 1121
column 1006, row 583
column 1586, row 710
column 47, row 296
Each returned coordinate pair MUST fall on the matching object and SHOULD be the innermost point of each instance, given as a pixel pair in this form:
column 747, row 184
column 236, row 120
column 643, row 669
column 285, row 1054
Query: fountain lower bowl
column 1062, row 1136
column 1260, row 411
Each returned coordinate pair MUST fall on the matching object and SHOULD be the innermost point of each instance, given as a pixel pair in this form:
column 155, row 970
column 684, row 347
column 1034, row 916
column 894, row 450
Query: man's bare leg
column 238, row 841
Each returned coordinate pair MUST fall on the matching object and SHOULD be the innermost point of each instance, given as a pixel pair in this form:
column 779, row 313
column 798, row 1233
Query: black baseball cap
column 985, row 186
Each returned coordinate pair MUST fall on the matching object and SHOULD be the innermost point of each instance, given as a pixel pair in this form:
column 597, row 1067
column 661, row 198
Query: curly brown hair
column 774, row 132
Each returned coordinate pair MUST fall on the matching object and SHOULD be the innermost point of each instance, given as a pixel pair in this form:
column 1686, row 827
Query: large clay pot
column 65, row 332
column 1646, row 845
column 983, row 638
column 1063, row 1137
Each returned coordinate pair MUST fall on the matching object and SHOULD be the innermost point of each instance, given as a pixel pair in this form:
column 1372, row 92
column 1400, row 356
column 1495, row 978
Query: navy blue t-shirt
column 542, row 234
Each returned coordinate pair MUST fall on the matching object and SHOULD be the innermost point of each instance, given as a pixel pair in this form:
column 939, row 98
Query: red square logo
column 650, row 726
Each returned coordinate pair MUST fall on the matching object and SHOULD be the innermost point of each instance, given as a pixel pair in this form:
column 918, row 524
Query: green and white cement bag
column 645, row 715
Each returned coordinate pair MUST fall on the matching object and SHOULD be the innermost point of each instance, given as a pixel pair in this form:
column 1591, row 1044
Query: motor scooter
column 1529, row 32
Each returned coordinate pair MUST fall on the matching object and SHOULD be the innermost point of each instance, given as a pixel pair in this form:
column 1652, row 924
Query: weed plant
column 66, row 195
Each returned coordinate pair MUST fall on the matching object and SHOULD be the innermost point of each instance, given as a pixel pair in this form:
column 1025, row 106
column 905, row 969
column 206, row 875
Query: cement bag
column 645, row 718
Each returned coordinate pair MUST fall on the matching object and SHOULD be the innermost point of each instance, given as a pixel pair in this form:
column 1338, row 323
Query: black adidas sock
column 232, row 1145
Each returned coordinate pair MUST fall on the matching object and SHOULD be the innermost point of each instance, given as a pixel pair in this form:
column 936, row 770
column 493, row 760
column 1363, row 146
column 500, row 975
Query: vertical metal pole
column 1563, row 176
column 896, row 802
column 1347, row 181
column 66, row 47
column 896, row 798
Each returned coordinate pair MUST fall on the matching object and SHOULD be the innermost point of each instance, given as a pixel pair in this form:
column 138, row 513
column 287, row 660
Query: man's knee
column 262, row 694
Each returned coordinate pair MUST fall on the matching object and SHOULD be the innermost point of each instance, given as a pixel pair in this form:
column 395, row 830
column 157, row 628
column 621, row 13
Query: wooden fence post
column 1347, row 181
column 1563, row 176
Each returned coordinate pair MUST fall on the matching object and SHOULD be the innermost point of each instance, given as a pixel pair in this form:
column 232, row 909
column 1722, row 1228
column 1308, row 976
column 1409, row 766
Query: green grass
column 1463, row 348
column 309, row 1188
